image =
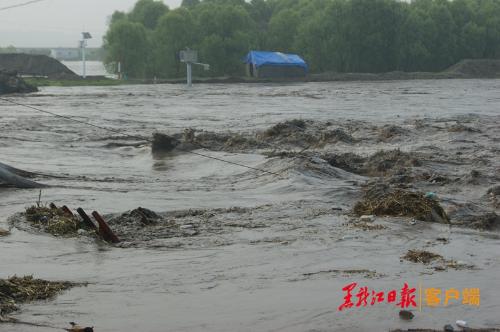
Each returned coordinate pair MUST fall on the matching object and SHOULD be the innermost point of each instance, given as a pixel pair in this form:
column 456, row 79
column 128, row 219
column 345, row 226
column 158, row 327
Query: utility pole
column 189, row 74
column 83, row 44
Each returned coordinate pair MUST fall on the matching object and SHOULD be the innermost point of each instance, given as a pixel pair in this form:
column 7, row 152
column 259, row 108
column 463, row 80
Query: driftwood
column 16, row 178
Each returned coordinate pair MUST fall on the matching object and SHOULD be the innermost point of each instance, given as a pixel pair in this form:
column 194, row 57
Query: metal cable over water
column 119, row 132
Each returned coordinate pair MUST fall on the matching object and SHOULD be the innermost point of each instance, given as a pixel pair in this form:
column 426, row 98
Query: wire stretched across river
column 20, row 4
column 116, row 131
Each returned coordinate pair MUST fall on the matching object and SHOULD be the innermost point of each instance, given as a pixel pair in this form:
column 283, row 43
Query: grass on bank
column 101, row 81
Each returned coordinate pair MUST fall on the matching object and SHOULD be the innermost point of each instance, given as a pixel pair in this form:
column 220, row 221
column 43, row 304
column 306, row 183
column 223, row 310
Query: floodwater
column 283, row 267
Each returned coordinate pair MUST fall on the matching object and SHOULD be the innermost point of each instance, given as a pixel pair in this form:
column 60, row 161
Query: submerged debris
column 55, row 221
column 421, row 256
column 426, row 257
column 380, row 200
column 163, row 143
column 286, row 128
column 368, row 226
column 364, row 272
column 406, row 314
column 458, row 127
column 475, row 216
column 388, row 132
column 381, row 163
column 4, row 232
column 77, row 328
column 488, row 221
column 292, row 133
column 26, row 289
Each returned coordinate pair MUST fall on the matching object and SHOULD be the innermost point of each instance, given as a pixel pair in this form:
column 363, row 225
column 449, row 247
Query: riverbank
column 11, row 83
column 466, row 69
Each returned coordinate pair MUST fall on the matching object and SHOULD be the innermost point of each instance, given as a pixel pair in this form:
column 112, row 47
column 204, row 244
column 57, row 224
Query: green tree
column 227, row 33
column 332, row 35
column 8, row 49
column 148, row 12
column 190, row 3
column 176, row 31
column 282, row 30
column 126, row 42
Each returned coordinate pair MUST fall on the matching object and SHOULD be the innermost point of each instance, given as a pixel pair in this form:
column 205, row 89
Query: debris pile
column 458, row 128
column 293, row 133
column 163, row 143
column 442, row 264
column 25, row 289
column 55, row 221
column 381, row 200
column 302, row 133
column 388, row 132
column 11, row 83
column 381, row 163
column 286, row 128
column 421, row 256
column 475, row 216
column 4, row 232
column 230, row 142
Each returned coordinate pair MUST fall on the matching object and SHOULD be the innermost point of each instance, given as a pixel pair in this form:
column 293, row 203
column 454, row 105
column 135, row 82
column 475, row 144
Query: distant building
column 31, row 50
column 264, row 64
column 65, row 54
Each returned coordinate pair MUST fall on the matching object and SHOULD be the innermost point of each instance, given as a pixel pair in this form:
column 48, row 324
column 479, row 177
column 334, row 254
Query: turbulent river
column 281, row 247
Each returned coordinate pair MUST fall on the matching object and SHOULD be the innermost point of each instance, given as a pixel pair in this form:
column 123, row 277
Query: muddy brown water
column 276, row 262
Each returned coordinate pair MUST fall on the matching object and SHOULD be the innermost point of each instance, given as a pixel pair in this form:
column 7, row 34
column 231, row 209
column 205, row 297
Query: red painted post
column 106, row 232
column 67, row 211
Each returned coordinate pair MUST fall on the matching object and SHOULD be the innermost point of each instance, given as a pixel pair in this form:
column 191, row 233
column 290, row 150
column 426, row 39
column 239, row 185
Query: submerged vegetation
column 381, row 201
column 54, row 221
column 17, row 290
column 332, row 35
column 41, row 81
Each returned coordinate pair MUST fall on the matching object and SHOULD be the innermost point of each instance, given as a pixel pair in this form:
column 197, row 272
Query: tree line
column 331, row 35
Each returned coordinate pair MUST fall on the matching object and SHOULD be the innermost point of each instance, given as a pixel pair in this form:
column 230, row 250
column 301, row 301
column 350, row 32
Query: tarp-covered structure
column 264, row 64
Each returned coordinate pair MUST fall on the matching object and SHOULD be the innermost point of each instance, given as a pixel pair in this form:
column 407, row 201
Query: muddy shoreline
column 465, row 69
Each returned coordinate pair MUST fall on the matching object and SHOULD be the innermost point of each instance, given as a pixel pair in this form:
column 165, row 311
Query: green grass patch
column 41, row 81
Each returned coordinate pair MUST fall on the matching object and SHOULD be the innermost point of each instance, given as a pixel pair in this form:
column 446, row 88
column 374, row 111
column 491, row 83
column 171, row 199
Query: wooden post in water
column 104, row 230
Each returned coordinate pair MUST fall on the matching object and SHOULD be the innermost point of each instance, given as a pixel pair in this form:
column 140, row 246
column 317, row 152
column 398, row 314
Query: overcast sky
column 54, row 23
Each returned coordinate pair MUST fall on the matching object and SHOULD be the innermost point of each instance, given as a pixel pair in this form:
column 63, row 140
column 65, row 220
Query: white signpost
column 190, row 57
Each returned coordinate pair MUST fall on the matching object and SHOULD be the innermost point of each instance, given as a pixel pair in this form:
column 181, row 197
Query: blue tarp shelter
column 275, row 64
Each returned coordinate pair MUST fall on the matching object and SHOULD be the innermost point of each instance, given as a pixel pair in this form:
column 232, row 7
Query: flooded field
column 236, row 249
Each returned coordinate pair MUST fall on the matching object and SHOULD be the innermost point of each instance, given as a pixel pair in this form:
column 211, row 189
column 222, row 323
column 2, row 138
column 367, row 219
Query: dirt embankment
column 11, row 83
column 470, row 68
column 478, row 68
column 35, row 65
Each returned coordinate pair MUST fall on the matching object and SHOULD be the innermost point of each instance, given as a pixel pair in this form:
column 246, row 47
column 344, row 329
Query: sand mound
column 35, row 65
column 478, row 68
